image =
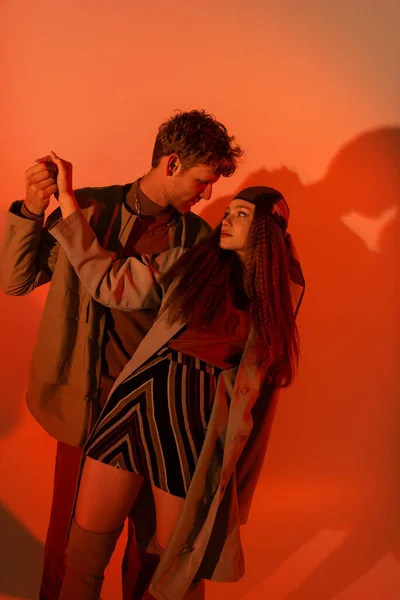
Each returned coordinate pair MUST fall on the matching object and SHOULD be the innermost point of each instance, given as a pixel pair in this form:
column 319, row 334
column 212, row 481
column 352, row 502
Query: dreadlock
column 268, row 287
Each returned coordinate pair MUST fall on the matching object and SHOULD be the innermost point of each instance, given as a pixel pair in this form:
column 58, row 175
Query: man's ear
column 173, row 165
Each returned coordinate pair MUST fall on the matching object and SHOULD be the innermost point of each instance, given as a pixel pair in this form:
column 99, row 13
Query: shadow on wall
column 336, row 462
column 21, row 559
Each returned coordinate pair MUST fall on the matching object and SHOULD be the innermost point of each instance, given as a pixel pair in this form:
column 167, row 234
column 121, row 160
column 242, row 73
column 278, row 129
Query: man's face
column 188, row 187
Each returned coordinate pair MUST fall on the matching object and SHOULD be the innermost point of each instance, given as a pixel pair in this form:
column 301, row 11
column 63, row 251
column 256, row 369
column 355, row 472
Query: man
column 82, row 347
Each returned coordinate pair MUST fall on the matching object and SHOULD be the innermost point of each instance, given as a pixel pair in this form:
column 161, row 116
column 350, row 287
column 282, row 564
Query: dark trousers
column 135, row 574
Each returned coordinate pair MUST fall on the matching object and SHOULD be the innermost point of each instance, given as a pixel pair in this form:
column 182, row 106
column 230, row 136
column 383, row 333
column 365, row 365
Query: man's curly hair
column 197, row 138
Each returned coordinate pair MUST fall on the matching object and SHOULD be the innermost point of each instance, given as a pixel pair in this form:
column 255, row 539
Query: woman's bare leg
column 105, row 498
column 168, row 509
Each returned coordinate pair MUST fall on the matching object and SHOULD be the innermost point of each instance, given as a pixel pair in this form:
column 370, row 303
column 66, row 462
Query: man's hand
column 40, row 183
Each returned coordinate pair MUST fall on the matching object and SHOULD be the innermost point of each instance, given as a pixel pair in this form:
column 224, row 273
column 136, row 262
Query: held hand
column 64, row 175
column 66, row 196
column 40, row 184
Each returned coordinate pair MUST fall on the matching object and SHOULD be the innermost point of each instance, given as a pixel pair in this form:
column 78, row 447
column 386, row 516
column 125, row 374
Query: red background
column 311, row 92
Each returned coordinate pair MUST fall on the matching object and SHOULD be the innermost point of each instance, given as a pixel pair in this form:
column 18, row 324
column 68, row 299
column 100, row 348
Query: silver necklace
column 155, row 230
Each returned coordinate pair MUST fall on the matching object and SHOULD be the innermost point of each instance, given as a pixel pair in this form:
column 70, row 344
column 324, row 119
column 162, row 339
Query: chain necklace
column 155, row 230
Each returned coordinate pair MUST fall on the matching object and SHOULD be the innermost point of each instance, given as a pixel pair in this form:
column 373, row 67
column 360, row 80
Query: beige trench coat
column 65, row 367
column 206, row 541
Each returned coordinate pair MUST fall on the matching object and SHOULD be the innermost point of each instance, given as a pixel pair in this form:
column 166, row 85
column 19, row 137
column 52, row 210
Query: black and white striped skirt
column 154, row 423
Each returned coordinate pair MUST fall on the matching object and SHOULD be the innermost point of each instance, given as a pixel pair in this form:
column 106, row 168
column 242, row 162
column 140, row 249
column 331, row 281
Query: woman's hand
column 66, row 196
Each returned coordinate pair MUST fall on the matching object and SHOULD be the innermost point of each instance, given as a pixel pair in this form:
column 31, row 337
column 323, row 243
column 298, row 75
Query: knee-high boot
column 86, row 559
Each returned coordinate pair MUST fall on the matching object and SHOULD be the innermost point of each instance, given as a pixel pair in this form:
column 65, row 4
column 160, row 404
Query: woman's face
column 236, row 226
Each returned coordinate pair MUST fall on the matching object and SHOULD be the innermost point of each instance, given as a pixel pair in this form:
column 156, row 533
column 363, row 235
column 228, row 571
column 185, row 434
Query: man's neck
column 152, row 188
column 147, row 199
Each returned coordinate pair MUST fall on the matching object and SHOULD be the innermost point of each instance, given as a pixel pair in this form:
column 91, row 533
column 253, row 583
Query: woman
column 189, row 416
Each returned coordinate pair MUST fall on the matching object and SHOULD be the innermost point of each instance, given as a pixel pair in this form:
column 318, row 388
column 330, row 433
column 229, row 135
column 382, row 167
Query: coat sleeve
column 126, row 284
column 28, row 253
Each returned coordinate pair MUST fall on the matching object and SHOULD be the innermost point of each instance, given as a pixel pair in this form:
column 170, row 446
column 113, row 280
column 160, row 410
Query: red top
column 223, row 350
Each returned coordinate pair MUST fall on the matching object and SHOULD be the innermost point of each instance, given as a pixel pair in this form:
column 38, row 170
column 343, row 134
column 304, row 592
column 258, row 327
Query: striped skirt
column 154, row 423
